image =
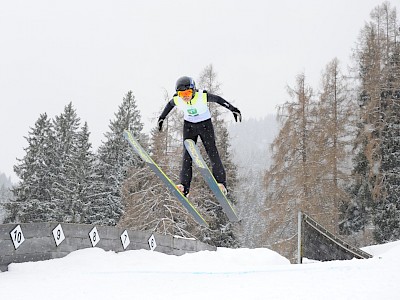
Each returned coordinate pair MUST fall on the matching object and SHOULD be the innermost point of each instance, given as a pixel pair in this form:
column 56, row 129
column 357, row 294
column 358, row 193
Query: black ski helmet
column 184, row 83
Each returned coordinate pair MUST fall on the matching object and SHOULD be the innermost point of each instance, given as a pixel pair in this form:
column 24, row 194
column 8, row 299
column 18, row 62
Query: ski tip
column 205, row 224
column 234, row 219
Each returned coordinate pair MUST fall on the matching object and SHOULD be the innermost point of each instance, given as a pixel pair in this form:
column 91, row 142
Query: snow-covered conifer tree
column 64, row 167
column 85, row 191
column 115, row 159
column 33, row 200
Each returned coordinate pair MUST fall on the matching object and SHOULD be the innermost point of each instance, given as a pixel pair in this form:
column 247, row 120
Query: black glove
column 160, row 122
column 236, row 114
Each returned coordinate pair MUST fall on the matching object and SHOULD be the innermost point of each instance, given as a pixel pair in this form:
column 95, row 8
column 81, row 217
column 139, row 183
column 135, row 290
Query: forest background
column 333, row 152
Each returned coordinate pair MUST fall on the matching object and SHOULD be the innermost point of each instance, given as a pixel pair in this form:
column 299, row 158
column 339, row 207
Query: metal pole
column 299, row 238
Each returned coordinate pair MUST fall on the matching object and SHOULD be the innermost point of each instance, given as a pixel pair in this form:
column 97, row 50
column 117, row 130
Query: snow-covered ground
column 224, row 274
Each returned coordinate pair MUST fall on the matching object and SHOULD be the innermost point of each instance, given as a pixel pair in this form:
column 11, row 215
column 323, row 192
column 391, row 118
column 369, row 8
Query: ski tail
column 164, row 178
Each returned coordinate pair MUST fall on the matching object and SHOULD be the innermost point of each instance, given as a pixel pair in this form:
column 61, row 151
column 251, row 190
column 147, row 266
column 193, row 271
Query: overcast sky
column 91, row 53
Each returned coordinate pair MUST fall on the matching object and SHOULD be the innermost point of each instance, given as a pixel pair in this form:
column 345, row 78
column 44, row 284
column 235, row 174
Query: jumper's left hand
column 236, row 114
column 160, row 123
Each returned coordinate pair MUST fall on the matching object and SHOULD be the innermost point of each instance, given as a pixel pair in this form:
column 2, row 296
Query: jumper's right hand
column 160, row 123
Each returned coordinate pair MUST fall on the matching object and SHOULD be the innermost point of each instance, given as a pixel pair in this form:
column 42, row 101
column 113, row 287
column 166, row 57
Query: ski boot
column 223, row 188
column 183, row 190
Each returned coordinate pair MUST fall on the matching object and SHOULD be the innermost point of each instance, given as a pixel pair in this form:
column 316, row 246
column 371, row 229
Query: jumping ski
column 227, row 206
column 164, row 178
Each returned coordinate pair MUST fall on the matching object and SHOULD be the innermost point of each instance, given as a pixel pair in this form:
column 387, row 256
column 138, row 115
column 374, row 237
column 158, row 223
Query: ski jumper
column 197, row 123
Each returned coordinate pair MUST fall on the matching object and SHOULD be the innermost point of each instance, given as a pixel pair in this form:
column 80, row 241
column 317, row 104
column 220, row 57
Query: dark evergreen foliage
column 65, row 183
column 33, row 200
column 114, row 161
column 375, row 188
column 387, row 215
column 63, row 180
column 358, row 211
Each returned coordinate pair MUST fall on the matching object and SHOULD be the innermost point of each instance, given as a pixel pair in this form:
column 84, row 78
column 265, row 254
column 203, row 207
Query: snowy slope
column 224, row 274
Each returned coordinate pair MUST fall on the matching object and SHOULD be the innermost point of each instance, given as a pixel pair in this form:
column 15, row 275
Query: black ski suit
column 196, row 125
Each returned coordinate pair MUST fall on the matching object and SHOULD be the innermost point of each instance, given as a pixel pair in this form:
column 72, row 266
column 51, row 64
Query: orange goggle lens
column 186, row 93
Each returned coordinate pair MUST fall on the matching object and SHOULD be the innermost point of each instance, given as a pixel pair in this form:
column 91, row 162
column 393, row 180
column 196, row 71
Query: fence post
column 299, row 238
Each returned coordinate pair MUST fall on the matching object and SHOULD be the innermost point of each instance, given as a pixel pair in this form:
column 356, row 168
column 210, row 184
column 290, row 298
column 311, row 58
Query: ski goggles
column 185, row 93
